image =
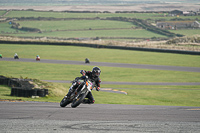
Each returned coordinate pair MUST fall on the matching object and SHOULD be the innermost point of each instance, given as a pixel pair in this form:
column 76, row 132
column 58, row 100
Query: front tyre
column 64, row 102
column 79, row 100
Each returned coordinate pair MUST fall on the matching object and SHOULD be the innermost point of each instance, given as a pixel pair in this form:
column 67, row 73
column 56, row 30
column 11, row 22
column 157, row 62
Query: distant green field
column 80, row 29
column 6, row 29
column 75, row 24
column 86, row 28
column 93, row 33
column 187, row 32
column 2, row 12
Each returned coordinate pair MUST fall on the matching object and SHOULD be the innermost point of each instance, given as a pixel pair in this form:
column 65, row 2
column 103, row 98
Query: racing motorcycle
column 37, row 58
column 79, row 94
column 16, row 57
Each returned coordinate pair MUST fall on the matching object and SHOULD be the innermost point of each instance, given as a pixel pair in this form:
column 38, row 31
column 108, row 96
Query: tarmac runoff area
column 45, row 117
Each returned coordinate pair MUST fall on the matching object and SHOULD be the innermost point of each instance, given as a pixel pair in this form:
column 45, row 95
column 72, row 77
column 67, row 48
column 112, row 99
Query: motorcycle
column 78, row 95
column 87, row 60
column 16, row 57
column 38, row 58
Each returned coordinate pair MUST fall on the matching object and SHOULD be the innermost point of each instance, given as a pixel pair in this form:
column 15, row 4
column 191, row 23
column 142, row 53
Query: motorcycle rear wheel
column 64, row 102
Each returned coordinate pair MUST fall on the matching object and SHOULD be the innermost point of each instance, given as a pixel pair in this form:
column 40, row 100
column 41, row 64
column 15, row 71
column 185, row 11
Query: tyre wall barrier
column 11, row 82
column 22, row 88
column 14, row 82
column 20, row 92
column 4, row 80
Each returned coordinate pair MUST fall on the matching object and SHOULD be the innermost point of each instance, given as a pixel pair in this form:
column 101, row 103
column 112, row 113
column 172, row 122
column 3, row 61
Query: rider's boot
column 88, row 101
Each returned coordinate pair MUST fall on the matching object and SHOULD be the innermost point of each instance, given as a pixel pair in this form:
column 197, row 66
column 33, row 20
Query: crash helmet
column 96, row 71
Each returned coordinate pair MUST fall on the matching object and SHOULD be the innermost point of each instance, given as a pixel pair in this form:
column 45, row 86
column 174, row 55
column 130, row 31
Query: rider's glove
column 83, row 72
column 98, row 88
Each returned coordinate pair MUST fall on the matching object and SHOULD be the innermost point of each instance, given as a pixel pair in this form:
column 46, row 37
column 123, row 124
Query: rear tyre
column 64, row 102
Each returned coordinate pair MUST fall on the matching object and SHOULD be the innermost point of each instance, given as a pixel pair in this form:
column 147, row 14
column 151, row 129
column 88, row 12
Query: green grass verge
column 138, row 95
column 45, row 71
column 99, row 55
column 154, row 95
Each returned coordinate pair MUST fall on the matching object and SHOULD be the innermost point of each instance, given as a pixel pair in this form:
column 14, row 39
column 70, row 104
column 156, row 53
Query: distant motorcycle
column 1, row 56
column 16, row 57
column 78, row 95
column 37, row 58
column 87, row 60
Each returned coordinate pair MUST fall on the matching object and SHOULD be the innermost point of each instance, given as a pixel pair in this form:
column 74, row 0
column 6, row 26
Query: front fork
column 77, row 93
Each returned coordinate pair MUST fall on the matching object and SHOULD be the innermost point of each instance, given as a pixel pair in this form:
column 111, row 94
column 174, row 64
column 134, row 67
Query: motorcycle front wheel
column 64, row 102
column 78, row 101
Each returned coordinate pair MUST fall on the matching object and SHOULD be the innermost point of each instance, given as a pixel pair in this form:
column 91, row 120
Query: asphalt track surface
column 44, row 117
column 140, row 66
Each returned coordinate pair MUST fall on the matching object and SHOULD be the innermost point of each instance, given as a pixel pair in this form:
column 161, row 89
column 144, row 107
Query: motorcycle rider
column 93, row 76
column 15, row 55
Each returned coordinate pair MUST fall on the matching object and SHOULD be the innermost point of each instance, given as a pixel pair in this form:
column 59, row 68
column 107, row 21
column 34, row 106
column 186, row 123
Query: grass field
column 187, row 32
column 87, row 28
column 80, row 29
column 75, row 24
column 44, row 71
column 99, row 55
column 6, row 29
column 93, row 34
column 2, row 12
column 137, row 95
